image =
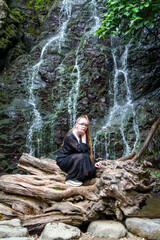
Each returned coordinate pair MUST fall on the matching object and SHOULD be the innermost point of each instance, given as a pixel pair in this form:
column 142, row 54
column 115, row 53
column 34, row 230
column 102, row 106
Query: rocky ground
column 89, row 236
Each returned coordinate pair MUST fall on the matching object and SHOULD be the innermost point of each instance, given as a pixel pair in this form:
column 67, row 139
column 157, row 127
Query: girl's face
column 82, row 125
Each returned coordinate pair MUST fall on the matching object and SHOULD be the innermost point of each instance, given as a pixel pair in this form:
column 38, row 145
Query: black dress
column 74, row 159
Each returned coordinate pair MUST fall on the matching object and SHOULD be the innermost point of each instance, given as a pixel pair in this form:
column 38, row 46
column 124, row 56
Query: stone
column 57, row 231
column 13, row 222
column 12, row 229
column 20, row 238
column 96, row 71
column 133, row 237
column 107, row 229
column 147, row 228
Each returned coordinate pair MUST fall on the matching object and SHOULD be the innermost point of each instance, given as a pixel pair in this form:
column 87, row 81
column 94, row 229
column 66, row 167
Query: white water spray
column 122, row 110
column 34, row 137
column 76, row 73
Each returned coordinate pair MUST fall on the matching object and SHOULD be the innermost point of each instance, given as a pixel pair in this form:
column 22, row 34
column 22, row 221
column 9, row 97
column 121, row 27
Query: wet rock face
column 144, row 69
column 3, row 13
column 75, row 77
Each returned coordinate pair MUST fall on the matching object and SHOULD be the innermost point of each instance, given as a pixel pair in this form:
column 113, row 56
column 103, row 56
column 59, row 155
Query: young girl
column 76, row 156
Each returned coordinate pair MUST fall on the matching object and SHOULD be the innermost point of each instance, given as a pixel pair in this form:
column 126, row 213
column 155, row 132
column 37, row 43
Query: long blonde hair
column 87, row 135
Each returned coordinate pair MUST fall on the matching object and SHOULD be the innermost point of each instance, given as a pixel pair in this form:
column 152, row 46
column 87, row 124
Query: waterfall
column 122, row 114
column 76, row 73
column 74, row 93
column 34, row 141
column 37, row 122
column 68, row 78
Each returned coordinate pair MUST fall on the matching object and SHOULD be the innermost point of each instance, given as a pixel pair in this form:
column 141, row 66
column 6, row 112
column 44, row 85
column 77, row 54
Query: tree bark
column 148, row 139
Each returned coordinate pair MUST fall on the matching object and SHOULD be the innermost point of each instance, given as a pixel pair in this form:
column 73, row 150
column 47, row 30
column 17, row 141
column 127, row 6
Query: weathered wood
column 130, row 156
column 7, row 211
column 119, row 188
column 148, row 139
column 42, row 166
column 36, row 200
column 43, row 187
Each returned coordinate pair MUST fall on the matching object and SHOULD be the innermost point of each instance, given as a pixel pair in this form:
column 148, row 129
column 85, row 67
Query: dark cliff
column 53, row 69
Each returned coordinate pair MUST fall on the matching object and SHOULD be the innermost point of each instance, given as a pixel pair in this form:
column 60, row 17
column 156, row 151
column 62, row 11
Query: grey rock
column 18, row 238
column 132, row 237
column 57, row 231
column 29, row 41
column 13, row 222
column 107, row 229
column 10, row 231
column 146, row 228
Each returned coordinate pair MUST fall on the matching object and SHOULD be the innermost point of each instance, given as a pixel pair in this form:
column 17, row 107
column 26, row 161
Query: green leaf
column 128, row 17
column 126, row 14
column 136, row 9
column 146, row 4
column 5, row 162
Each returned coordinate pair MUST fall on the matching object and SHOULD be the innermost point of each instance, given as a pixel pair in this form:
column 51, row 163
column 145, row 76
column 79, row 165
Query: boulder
column 13, row 222
column 130, row 236
column 107, row 229
column 57, row 231
column 19, row 238
column 147, row 228
column 12, row 229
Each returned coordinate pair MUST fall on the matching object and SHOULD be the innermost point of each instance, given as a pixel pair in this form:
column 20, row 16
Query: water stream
column 76, row 73
column 151, row 209
column 34, row 141
column 121, row 114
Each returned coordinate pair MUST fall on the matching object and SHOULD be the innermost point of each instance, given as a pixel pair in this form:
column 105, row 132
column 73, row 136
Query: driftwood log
column 119, row 189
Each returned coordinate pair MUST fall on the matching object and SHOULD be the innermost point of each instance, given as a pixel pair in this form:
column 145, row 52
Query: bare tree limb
column 148, row 139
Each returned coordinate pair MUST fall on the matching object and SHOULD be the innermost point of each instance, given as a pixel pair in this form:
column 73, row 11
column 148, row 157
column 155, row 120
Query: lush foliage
column 129, row 18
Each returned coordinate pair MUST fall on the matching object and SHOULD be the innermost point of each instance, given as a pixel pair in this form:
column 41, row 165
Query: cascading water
column 74, row 93
column 76, row 73
column 36, row 125
column 122, row 114
column 70, row 72
column 34, row 138
column 67, row 76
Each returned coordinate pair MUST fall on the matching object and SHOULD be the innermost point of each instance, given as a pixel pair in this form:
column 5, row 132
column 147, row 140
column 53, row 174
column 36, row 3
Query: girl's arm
column 84, row 138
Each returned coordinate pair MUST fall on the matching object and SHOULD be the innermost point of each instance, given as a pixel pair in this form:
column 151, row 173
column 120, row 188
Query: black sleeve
column 72, row 144
column 84, row 146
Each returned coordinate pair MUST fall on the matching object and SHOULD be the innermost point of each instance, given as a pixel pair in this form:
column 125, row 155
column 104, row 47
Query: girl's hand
column 98, row 164
column 80, row 132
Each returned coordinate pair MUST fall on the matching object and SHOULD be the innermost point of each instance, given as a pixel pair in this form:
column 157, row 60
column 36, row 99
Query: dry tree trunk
column 120, row 187
column 148, row 139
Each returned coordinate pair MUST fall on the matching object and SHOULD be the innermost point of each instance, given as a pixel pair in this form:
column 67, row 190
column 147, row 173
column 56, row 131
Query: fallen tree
column 119, row 189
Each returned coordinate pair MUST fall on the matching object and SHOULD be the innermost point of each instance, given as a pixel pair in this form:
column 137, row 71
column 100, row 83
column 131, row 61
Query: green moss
column 11, row 32
column 39, row 4
column 30, row 30
column 4, row 43
column 58, row 189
